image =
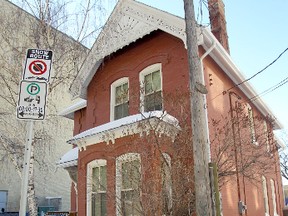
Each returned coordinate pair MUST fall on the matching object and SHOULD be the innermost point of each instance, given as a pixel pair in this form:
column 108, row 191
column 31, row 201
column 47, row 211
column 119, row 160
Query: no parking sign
column 38, row 65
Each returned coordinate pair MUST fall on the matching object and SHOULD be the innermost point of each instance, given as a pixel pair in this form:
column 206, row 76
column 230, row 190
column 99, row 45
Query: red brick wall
column 162, row 48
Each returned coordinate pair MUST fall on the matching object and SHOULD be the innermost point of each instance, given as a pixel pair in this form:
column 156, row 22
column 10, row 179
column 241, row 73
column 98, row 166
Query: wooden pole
column 199, row 124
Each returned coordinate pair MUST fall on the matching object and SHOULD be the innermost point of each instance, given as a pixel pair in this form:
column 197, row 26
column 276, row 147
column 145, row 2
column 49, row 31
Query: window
column 166, row 184
column 128, row 178
column 96, row 188
column 119, row 99
column 265, row 196
column 251, row 125
column 266, row 136
column 151, row 88
column 273, row 196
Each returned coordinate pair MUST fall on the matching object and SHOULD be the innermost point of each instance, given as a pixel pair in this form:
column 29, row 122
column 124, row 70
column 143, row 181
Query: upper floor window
column 128, row 177
column 119, row 99
column 266, row 136
column 151, row 88
column 251, row 124
column 96, row 188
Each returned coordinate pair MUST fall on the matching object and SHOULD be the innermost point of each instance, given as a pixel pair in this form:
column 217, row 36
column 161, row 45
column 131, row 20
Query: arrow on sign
column 21, row 113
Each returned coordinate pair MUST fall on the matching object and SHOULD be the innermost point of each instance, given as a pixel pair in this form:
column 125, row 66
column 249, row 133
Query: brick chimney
column 218, row 22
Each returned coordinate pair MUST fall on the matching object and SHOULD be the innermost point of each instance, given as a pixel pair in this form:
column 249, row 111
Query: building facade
column 133, row 127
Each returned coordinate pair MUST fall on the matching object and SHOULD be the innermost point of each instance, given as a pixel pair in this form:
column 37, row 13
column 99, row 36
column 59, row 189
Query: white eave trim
column 69, row 159
column 69, row 111
column 223, row 59
column 159, row 121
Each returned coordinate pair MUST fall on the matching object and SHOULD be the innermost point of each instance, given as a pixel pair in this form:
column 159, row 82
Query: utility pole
column 199, row 124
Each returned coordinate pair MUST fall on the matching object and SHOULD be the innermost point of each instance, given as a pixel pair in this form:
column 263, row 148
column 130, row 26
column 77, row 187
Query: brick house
column 132, row 125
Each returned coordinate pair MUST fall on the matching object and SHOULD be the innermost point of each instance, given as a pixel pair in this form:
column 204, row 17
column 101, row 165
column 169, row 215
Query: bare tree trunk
column 199, row 124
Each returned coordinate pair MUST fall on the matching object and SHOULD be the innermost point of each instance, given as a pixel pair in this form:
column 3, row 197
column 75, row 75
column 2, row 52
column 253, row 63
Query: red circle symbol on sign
column 37, row 67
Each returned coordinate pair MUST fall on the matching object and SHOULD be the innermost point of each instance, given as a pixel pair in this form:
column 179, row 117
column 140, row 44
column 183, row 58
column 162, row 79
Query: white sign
column 32, row 100
column 38, row 65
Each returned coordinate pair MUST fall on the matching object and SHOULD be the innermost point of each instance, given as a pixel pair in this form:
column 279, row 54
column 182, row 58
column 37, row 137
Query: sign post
column 31, row 105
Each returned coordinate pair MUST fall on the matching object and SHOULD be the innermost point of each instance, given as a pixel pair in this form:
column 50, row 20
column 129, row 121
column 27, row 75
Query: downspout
column 205, row 98
column 234, row 143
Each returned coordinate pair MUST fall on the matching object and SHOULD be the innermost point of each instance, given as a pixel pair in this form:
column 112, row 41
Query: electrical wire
column 269, row 90
column 254, row 75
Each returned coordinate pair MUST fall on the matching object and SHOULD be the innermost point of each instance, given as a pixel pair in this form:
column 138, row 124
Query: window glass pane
column 156, row 81
column 130, row 187
column 95, row 179
column 99, row 184
column 118, row 94
column 103, row 180
column 153, row 102
column 148, row 84
column 121, row 111
column 121, row 101
column 99, row 204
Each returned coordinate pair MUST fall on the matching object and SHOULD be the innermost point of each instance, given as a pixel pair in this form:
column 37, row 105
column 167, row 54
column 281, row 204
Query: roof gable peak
column 129, row 21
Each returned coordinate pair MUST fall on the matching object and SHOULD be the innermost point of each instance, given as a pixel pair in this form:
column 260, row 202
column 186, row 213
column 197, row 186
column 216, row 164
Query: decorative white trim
column 69, row 159
column 90, row 166
column 69, row 111
column 119, row 160
column 159, row 121
column 115, row 84
column 142, row 74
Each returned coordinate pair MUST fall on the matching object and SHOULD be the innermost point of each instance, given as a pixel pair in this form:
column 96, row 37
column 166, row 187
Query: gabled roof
column 130, row 21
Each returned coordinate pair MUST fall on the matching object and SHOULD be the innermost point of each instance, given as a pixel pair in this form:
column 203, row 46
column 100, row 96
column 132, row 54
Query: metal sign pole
column 25, row 172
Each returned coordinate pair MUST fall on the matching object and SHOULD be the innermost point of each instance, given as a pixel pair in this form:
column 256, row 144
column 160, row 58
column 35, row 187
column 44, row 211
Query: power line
column 269, row 90
column 259, row 72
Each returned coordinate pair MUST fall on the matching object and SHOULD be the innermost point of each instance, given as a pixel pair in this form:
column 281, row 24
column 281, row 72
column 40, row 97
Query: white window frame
column 273, row 194
column 265, row 196
column 251, row 125
column 115, row 84
column 90, row 166
column 266, row 136
column 119, row 160
column 142, row 74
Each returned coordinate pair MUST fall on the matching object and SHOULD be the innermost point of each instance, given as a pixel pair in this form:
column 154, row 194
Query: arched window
column 151, row 88
column 266, row 136
column 273, row 194
column 119, row 99
column 265, row 196
column 128, row 178
column 251, row 125
column 96, row 188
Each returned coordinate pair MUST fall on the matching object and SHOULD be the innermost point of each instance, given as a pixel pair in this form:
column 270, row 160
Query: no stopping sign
column 37, row 67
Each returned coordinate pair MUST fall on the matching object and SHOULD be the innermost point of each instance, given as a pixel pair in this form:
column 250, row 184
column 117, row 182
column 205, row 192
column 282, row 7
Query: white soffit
column 160, row 121
column 69, row 159
column 69, row 111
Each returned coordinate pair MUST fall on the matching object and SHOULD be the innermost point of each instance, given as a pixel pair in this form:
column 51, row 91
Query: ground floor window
column 96, row 188
column 128, row 178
